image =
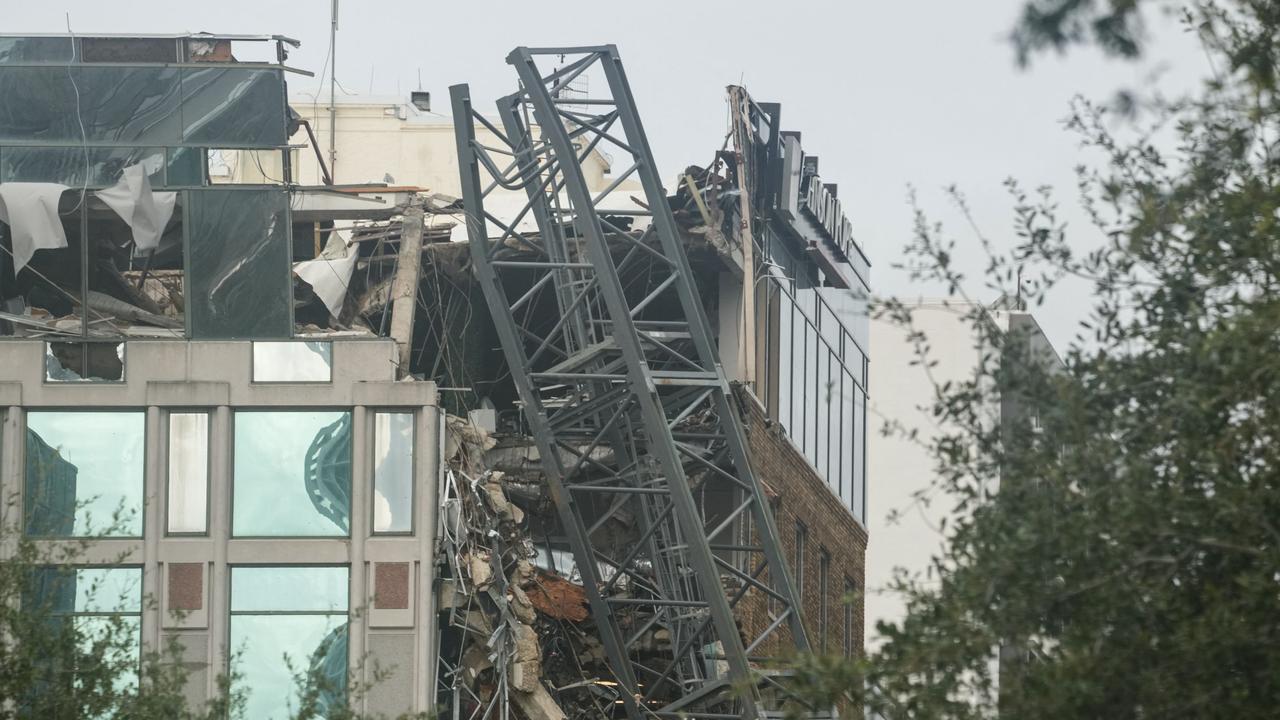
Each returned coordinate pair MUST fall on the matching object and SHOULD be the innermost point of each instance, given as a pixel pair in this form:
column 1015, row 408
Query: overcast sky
column 888, row 94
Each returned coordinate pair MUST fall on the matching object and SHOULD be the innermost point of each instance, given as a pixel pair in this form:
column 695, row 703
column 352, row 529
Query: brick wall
column 801, row 497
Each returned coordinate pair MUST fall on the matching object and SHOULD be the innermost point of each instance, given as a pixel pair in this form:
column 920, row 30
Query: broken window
column 292, row 474
column 239, row 282
column 84, row 473
column 84, row 361
column 292, row 361
column 298, row 613
column 246, row 167
column 75, row 167
column 392, row 472
column 188, row 483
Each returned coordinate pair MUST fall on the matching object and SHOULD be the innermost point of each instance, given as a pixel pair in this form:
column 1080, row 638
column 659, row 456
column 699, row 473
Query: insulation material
column 146, row 212
column 31, row 211
column 330, row 274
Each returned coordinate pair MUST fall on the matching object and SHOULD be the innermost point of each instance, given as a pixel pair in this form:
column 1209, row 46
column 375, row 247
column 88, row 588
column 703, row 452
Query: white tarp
column 31, row 211
column 146, row 212
column 330, row 274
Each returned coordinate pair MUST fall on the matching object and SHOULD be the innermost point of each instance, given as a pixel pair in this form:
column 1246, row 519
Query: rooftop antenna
column 333, row 84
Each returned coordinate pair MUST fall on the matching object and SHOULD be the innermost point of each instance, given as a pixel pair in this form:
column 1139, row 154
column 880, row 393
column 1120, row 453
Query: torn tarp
column 330, row 274
column 31, row 211
column 146, row 212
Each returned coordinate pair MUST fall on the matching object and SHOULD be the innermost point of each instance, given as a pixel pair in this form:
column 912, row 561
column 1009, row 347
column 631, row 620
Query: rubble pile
column 518, row 635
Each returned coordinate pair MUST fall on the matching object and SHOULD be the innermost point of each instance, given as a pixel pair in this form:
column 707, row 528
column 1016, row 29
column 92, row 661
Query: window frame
column 147, row 430
column 232, row 613
column 231, row 475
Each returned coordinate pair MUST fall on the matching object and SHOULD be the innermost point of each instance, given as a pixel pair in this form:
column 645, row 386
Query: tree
column 1129, row 566
column 54, row 666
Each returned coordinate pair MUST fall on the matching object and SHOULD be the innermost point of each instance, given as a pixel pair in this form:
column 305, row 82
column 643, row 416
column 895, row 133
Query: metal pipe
column 333, row 84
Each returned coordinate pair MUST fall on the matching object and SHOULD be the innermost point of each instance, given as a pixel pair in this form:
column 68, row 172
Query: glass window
column 130, row 105
column 184, row 167
column 109, row 105
column 292, row 361
column 239, row 281
column 95, row 167
column 188, row 488
column 292, row 474
column 35, row 49
column 233, row 107
column 104, row 606
column 298, row 613
column 393, row 472
column 84, row 473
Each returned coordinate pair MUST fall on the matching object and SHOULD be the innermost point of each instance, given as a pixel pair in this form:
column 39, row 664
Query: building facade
column 274, row 498
column 255, row 484
column 911, row 516
column 804, row 381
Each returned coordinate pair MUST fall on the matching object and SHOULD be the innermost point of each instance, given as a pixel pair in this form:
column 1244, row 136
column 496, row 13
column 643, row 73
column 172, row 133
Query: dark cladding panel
column 128, row 50
column 238, row 273
column 233, row 107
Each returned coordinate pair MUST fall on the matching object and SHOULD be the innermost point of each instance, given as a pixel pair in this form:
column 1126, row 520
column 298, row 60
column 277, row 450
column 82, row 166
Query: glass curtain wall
column 813, row 366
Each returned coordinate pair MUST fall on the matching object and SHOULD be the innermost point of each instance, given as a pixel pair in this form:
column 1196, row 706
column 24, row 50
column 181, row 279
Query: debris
column 146, row 213
column 556, row 597
column 330, row 274
column 31, row 211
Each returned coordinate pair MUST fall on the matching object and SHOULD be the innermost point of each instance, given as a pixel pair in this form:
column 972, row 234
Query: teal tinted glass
column 84, row 473
column 95, row 591
column 293, row 613
column 288, row 589
column 233, row 107
column 311, row 643
column 292, row 474
column 35, row 49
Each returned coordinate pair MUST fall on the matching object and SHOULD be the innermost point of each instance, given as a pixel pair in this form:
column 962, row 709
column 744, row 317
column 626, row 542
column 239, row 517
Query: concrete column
column 361, row 438
column 220, row 447
column 12, row 449
column 429, row 443
column 154, row 474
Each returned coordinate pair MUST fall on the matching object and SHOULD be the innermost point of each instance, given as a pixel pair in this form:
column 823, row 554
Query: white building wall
column 378, row 137
column 905, row 513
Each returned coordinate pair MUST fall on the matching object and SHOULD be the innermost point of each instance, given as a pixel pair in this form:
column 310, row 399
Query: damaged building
column 538, row 433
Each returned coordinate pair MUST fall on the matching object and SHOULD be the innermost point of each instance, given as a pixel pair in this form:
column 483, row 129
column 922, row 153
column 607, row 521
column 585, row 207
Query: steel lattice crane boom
column 616, row 367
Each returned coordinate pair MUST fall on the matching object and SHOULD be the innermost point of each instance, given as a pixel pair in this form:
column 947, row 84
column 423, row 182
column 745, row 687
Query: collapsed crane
column 630, row 409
